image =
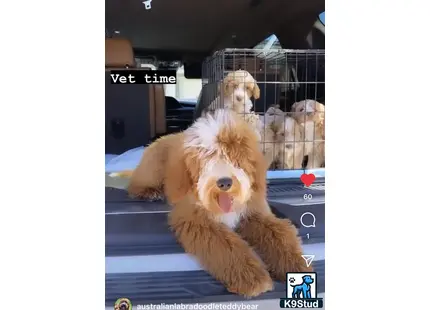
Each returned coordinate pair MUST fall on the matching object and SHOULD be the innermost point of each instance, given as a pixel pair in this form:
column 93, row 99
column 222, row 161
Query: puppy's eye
column 302, row 109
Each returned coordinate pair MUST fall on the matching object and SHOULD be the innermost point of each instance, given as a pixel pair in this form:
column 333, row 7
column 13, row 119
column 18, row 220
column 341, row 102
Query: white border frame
column 52, row 202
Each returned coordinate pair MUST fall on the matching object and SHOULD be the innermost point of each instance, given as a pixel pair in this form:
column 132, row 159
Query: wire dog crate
column 287, row 108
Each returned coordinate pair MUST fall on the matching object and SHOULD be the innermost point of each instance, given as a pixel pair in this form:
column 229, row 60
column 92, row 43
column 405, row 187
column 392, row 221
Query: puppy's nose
column 224, row 183
column 239, row 98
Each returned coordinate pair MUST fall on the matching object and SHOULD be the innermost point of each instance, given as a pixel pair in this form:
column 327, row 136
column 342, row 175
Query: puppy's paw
column 282, row 252
column 149, row 193
column 250, row 280
column 289, row 260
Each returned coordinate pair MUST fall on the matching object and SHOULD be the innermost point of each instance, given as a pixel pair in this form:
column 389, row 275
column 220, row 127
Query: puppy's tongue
column 224, row 201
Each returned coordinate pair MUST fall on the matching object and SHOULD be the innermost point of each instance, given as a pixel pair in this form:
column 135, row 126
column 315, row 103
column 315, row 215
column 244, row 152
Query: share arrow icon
column 308, row 259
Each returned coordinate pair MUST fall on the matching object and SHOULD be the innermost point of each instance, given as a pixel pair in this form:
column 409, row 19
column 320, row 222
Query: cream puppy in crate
column 282, row 140
column 235, row 93
column 310, row 114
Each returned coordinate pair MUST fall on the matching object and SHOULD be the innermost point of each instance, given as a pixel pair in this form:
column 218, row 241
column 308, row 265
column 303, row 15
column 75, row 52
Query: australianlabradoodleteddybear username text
column 210, row 306
column 143, row 77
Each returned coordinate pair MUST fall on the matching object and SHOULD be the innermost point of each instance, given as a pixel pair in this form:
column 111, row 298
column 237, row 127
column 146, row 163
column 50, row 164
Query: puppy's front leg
column 298, row 156
column 221, row 252
column 269, row 153
column 276, row 241
column 316, row 156
column 311, row 160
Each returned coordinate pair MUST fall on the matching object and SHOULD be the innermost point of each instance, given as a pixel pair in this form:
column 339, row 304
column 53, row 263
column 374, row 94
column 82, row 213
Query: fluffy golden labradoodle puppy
column 282, row 140
column 311, row 115
column 214, row 177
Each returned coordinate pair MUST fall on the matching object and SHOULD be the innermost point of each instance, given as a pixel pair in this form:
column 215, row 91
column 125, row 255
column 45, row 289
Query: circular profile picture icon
column 122, row 304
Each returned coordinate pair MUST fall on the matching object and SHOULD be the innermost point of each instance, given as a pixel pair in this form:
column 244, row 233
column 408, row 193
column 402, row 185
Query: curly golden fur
column 310, row 114
column 283, row 140
column 227, row 226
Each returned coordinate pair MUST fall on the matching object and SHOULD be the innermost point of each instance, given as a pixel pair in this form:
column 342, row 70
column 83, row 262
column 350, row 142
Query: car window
column 322, row 18
column 271, row 42
column 185, row 89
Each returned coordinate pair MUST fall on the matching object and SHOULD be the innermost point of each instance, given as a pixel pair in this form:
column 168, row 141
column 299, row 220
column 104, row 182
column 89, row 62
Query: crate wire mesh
column 289, row 113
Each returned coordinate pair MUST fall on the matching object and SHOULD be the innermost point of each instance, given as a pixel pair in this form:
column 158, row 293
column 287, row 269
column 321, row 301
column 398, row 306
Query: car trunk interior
column 191, row 30
column 187, row 31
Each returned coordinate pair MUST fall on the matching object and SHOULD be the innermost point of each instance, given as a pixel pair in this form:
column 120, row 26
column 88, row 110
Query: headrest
column 118, row 53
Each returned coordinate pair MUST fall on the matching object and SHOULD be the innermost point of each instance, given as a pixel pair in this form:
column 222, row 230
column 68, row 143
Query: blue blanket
column 126, row 161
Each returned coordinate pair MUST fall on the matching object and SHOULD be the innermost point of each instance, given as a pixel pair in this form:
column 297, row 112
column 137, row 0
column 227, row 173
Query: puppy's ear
column 177, row 183
column 320, row 109
column 319, row 106
column 256, row 91
column 226, row 85
column 294, row 107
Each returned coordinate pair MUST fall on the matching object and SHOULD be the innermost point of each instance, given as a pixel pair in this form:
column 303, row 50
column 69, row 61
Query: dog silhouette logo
column 301, row 285
column 123, row 304
column 301, row 291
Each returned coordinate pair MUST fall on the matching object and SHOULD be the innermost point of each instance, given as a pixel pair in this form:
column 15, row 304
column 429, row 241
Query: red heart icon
column 307, row 179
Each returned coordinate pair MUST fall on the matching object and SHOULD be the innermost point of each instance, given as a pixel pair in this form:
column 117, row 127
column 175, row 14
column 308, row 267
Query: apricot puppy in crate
column 235, row 93
column 310, row 114
column 214, row 177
